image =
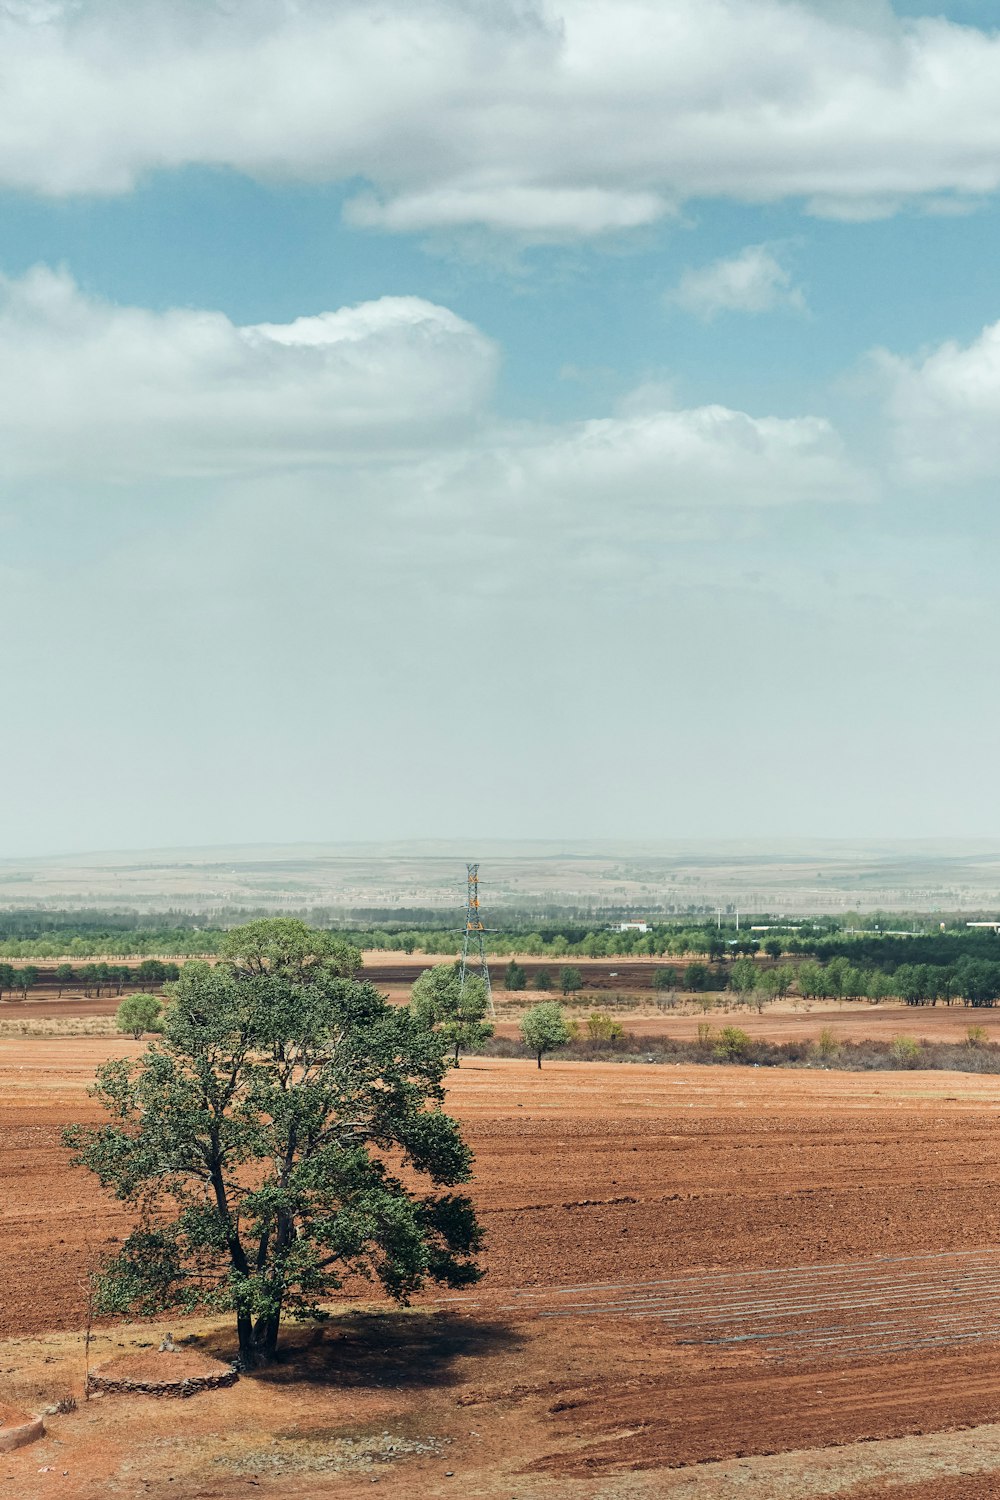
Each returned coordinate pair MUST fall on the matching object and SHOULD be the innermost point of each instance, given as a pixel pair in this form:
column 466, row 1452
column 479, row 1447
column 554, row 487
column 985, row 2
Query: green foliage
column 543, row 980
column 515, row 977
column 601, row 1028
column 827, row 1045
column 977, row 1036
column 696, row 977
column 438, row 1001
column 743, row 976
column 906, row 1051
column 544, row 1027
column 286, row 948
column 664, row 979
column 570, row 980
column 731, row 1044
column 139, row 1013
column 261, row 1144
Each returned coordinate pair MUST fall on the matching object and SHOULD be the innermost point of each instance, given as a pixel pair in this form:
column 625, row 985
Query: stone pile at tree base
column 175, row 1373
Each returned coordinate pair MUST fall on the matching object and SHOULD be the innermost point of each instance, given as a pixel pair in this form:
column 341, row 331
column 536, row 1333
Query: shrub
column 905, row 1050
column 704, row 1033
column 601, row 1028
column 977, row 1036
column 827, row 1045
column 731, row 1044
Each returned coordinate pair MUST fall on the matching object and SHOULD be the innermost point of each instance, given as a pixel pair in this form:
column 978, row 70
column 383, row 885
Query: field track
column 846, row 1311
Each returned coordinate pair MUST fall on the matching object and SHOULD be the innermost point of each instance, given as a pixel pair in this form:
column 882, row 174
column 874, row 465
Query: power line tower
column 475, row 932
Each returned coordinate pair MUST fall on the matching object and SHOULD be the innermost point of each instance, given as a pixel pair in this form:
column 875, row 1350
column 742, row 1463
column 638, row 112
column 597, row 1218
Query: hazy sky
column 528, row 418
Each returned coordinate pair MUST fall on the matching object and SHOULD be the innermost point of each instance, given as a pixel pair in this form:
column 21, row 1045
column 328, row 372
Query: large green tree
column 262, row 1143
column 458, row 1015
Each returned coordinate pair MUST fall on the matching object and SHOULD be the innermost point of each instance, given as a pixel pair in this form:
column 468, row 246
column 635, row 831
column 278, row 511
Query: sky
column 563, row 419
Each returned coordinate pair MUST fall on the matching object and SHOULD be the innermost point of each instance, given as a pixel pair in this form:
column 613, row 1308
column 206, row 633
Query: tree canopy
column 544, row 1027
column 261, row 1143
column 139, row 1013
column 458, row 1015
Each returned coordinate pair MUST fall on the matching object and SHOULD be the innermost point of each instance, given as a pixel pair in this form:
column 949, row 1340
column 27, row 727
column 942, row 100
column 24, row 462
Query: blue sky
column 612, row 383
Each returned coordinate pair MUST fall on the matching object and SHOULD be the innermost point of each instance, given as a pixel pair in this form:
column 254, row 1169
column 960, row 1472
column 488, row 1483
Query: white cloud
column 651, row 462
column 944, row 409
column 543, row 117
column 90, row 388
column 754, row 281
column 394, row 395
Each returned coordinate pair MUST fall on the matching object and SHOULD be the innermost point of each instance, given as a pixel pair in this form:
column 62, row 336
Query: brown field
column 701, row 1282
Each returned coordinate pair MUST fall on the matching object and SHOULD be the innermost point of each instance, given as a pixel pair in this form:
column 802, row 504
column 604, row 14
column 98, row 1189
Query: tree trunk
column 265, row 1337
column 539, row 1059
column 244, row 1329
column 457, row 1063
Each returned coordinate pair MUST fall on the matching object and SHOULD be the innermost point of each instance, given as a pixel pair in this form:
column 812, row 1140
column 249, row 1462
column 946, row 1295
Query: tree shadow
column 395, row 1350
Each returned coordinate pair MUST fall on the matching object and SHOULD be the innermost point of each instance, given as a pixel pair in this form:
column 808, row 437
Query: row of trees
column 569, row 979
column 38, row 936
column 970, row 981
column 95, row 979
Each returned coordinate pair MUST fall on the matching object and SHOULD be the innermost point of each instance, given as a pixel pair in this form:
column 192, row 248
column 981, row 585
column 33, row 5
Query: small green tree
column 139, row 1013
column 64, row 975
column 27, row 978
column 664, row 979
column 544, row 1027
column 150, row 971
column 543, row 980
column 438, row 1001
column 696, row 977
column 515, row 978
column 570, row 980
column 743, row 977
column 262, row 1143
column 773, row 947
column 7, row 978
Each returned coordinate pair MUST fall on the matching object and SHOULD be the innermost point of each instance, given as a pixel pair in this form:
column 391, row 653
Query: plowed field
column 688, row 1269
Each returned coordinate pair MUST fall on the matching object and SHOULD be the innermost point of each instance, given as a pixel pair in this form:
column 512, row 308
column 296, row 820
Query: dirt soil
column 701, row 1282
column 156, row 1365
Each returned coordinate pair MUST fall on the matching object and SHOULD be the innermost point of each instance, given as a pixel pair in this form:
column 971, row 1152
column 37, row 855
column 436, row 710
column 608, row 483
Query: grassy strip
column 730, row 1045
column 44, row 1026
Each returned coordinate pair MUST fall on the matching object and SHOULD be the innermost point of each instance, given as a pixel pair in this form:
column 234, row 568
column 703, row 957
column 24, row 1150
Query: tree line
column 93, row 979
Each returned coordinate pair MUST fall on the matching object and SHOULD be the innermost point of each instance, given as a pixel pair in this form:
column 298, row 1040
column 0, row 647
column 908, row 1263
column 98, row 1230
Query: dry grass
column 60, row 1026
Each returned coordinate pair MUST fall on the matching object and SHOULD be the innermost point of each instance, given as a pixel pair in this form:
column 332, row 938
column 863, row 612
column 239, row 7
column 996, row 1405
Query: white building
column 630, row 927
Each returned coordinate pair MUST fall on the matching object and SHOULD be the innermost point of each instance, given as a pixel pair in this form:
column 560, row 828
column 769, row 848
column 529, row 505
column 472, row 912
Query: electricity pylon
column 475, row 932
